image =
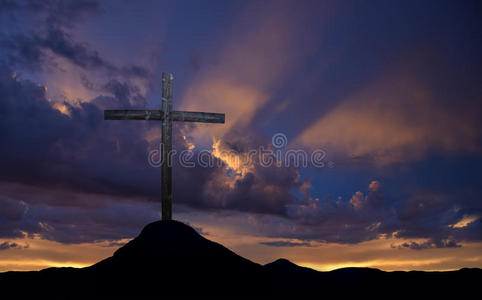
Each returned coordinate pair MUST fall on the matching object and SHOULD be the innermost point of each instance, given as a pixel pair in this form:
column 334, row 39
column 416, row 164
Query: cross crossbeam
column 158, row 115
column 167, row 116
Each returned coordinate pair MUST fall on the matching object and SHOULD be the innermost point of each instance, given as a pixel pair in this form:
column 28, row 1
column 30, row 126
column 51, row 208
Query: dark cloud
column 46, row 146
column 54, row 12
column 360, row 218
column 126, row 94
column 286, row 244
column 9, row 245
column 261, row 188
column 22, row 51
column 35, row 51
column 423, row 215
column 9, row 5
column 82, row 153
column 433, row 216
column 11, row 214
column 64, row 13
column 430, row 245
column 63, row 218
column 51, row 38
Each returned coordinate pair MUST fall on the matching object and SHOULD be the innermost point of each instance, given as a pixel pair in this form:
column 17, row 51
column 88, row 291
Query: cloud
column 42, row 49
column 68, row 217
column 362, row 217
column 9, row 245
column 286, row 244
column 430, row 244
column 44, row 43
column 373, row 199
column 53, row 12
column 465, row 221
column 431, row 216
column 260, row 48
column 257, row 188
column 81, row 153
column 77, row 150
column 398, row 118
column 11, row 214
column 374, row 186
column 357, row 200
column 64, row 13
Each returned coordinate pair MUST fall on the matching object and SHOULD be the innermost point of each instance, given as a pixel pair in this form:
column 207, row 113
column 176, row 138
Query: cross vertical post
column 167, row 116
column 166, row 178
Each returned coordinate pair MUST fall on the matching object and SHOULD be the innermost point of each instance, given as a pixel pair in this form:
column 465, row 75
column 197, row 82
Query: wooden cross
column 167, row 116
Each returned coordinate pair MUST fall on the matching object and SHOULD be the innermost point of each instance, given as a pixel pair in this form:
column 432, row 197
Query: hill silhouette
column 173, row 246
column 170, row 259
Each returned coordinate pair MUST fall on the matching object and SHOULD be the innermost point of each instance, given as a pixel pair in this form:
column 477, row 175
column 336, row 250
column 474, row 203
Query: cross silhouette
column 167, row 116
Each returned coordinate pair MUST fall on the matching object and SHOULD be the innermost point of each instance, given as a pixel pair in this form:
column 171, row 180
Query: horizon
column 352, row 133
column 317, row 267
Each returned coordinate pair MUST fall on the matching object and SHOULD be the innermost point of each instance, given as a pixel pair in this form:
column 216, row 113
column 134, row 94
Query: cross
column 167, row 116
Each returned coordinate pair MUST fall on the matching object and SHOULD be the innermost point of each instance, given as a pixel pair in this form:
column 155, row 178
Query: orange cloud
column 465, row 221
column 396, row 119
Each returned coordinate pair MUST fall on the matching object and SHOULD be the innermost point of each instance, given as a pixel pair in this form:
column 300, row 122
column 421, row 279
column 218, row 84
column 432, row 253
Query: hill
column 169, row 258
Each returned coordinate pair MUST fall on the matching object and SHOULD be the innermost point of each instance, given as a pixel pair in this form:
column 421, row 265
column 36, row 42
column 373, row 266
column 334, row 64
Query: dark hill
column 170, row 259
column 175, row 247
column 284, row 265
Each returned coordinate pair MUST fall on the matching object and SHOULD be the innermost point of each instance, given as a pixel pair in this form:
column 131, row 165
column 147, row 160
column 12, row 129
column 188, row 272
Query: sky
column 363, row 117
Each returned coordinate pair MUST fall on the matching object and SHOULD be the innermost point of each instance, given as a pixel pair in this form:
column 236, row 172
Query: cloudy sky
column 388, row 92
